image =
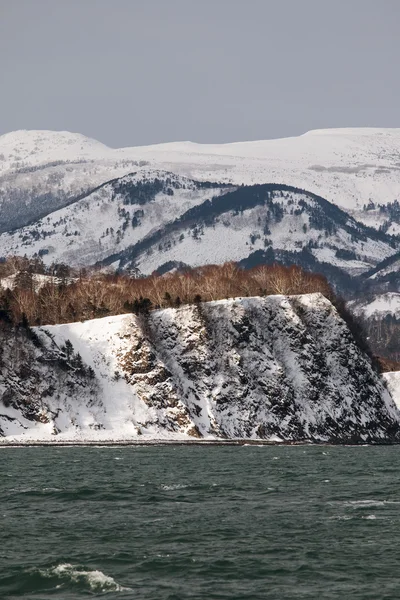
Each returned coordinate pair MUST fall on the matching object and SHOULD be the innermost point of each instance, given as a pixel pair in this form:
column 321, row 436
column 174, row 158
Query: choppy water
column 155, row 523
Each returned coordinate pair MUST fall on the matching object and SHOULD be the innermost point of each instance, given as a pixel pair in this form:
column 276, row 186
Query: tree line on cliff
column 35, row 295
column 59, row 294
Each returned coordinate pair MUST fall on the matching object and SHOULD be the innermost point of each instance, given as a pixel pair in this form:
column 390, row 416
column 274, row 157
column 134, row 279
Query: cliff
column 276, row 368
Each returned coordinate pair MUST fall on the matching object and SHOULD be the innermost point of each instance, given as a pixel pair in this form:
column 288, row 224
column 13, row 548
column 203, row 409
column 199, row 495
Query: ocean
column 182, row 522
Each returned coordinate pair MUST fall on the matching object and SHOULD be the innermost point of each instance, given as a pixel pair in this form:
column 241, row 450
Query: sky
column 130, row 72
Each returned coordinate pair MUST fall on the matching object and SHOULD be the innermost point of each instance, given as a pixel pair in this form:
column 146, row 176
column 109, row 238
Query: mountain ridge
column 151, row 216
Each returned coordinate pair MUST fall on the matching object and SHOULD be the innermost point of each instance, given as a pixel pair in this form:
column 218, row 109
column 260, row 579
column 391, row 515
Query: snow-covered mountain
column 257, row 224
column 262, row 368
column 153, row 220
column 110, row 219
column 41, row 171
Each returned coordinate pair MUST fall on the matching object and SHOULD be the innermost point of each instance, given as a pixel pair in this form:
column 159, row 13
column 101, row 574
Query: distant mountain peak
column 35, row 137
column 355, row 131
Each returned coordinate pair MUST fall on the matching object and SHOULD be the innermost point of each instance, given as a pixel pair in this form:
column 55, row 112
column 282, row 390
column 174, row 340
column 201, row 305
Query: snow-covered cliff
column 274, row 367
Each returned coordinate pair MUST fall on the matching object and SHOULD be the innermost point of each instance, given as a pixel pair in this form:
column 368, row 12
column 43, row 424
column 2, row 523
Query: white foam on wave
column 369, row 503
column 28, row 490
column 97, row 581
column 176, row 486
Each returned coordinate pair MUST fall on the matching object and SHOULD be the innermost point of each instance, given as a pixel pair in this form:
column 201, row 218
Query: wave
column 95, row 581
column 176, row 486
column 369, row 503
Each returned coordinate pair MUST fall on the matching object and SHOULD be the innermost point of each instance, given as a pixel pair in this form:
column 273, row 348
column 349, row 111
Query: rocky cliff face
column 263, row 368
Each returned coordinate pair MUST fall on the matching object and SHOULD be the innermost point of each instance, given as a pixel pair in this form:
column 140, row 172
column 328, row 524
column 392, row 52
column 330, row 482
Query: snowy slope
column 289, row 221
column 349, row 167
column 386, row 270
column 379, row 218
column 260, row 368
column 149, row 218
column 378, row 307
column 110, row 219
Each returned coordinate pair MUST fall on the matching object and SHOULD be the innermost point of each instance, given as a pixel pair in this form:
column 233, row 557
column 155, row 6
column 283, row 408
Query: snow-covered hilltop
column 29, row 149
column 41, row 171
column 261, row 368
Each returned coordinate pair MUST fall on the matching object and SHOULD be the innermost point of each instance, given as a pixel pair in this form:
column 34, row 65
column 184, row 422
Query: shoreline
column 196, row 443
column 135, row 443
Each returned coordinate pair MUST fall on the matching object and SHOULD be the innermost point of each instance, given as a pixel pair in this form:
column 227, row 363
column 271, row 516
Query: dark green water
column 209, row 523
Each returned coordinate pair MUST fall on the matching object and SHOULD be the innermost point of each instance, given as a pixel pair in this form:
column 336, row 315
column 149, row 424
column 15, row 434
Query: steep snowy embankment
column 393, row 383
column 260, row 368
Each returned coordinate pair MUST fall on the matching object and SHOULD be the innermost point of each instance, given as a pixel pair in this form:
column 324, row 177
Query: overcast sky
column 130, row 72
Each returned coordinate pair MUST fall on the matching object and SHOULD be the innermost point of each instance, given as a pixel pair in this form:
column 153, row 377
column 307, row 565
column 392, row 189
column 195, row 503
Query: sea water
column 177, row 523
